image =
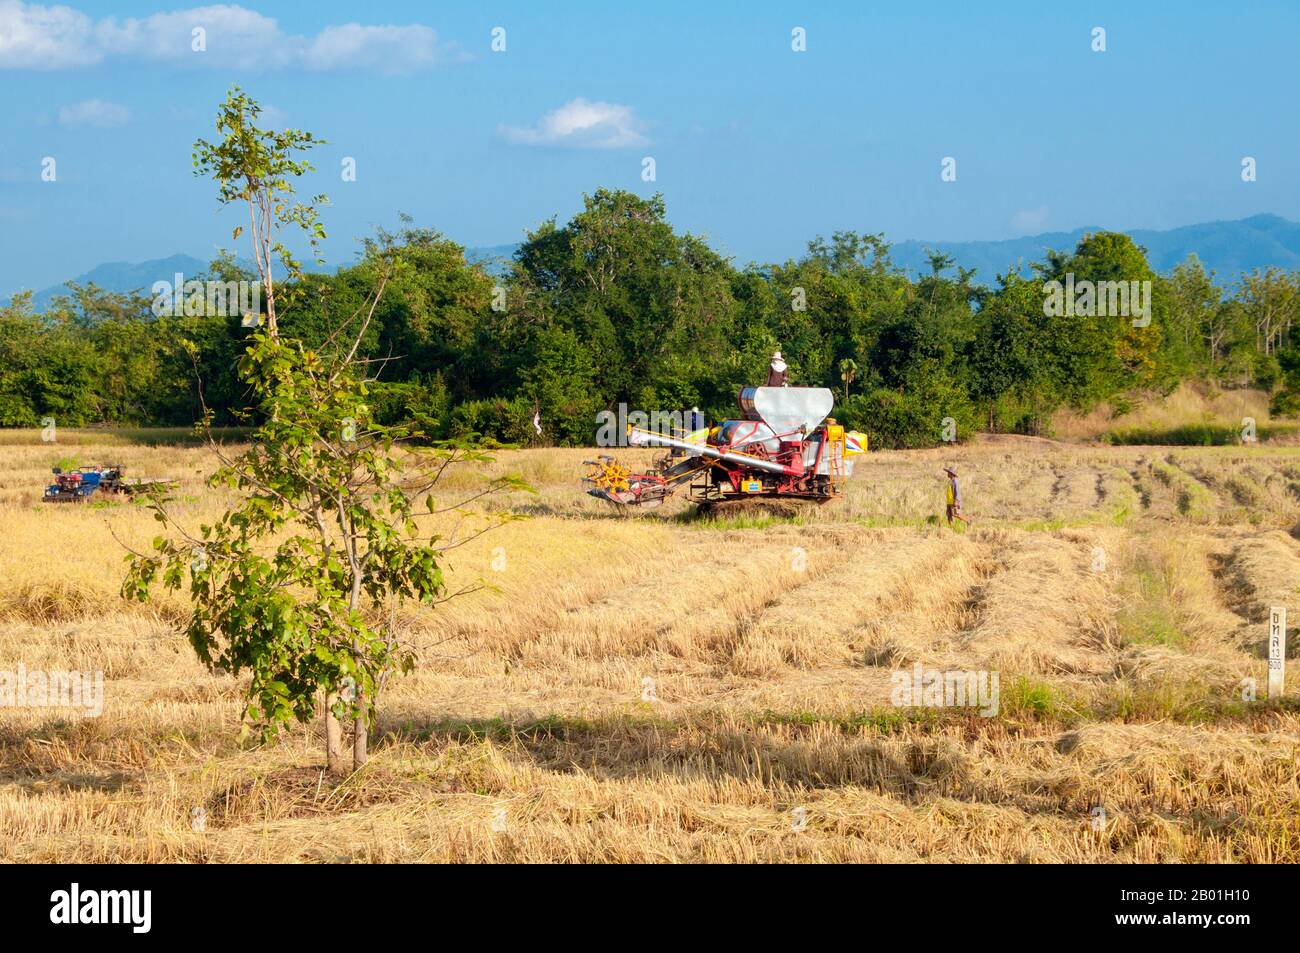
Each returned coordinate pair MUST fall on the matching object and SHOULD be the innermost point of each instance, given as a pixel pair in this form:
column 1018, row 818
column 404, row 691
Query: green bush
column 915, row 418
column 425, row 407
column 509, row 421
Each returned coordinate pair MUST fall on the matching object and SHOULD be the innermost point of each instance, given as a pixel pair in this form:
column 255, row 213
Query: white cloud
column 1031, row 219
column 273, row 117
column 375, row 47
column 94, row 112
column 583, row 125
column 57, row 37
column 34, row 37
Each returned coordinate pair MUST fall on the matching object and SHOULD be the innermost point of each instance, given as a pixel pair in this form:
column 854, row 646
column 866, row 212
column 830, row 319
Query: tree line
column 616, row 306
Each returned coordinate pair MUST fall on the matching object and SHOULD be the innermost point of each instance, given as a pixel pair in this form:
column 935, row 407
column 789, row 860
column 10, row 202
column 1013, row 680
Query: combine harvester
column 78, row 486
column 783, row 450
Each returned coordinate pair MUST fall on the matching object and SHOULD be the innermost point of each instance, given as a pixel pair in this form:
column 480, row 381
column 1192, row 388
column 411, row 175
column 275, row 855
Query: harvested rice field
column 657, row 687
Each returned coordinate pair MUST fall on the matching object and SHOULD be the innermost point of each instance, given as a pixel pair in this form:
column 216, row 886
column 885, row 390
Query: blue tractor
column 78, row 486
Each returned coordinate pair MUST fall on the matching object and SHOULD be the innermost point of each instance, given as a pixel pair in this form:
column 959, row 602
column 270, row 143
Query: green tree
column 1196, row 325
column 1009, row 359
column 1271, row 298
column 298, row 583
column 257, row 167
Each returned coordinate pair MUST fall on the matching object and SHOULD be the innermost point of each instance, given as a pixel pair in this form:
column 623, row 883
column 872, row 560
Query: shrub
column 507, row 420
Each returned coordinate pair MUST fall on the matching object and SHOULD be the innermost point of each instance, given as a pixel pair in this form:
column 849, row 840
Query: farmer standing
column 776, row 373
column 954, row 497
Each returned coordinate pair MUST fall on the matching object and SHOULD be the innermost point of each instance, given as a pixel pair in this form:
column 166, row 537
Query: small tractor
column 77, row 486
column 783, row 449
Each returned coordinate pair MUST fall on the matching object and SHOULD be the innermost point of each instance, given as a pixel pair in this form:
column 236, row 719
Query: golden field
column 660, row 688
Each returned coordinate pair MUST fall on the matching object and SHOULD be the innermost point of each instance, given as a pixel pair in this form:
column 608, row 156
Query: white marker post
column 1276, row 650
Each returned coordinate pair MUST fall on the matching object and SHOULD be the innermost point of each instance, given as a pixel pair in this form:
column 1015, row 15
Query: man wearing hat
column 954, row 497
column 776, row 373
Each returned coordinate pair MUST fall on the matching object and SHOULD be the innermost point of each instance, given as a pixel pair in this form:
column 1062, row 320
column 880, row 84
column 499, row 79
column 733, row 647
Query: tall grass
column 122, row 436
column 1178, row 417
column 1195, row 434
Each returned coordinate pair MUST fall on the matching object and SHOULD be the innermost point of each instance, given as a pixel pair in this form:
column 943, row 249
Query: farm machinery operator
column 777, row 372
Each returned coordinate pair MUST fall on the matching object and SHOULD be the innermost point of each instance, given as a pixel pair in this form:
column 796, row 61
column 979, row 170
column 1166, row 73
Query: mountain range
column 123, row 276
column 1229, row 248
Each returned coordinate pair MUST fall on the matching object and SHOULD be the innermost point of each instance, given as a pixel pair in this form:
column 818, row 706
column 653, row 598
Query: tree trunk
column 333, row 737
column 359, row 739
column 360, row 736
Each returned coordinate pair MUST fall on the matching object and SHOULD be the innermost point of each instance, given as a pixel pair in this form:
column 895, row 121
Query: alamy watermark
column 212, row 298
column 932, row 688
column 1098, row 299
column 132, row 908
column 35, row 688
column 611, row 426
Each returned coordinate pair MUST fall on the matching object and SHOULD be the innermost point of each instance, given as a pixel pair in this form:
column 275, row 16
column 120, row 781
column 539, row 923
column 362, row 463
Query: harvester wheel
column 610, row 475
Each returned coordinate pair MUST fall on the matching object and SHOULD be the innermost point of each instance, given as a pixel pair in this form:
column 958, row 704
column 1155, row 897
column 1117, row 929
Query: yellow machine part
column 610, row 475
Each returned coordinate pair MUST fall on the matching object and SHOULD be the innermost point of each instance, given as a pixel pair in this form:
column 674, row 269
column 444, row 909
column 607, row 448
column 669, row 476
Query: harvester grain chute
column 78, row 486
column 783, row 448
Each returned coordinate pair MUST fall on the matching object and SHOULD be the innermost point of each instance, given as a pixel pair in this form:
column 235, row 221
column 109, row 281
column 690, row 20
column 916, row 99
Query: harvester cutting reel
column 615, row 483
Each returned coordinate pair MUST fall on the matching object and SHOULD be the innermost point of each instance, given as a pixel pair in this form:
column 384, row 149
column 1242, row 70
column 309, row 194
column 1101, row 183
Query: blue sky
column 757, row 147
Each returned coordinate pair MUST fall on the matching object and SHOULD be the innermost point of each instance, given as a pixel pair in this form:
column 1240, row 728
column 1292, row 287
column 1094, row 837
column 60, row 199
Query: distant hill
column 1230, row 248
column 124, row 276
